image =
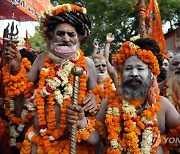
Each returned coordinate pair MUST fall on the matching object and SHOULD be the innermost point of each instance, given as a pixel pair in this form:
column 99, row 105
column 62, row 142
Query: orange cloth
column 155, row 25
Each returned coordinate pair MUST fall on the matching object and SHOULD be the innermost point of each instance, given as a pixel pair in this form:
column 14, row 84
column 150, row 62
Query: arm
column 33, row 74
column 91, row 72
column 100, row 116
column 109, row 38
column 170, row 113
column 13, row 56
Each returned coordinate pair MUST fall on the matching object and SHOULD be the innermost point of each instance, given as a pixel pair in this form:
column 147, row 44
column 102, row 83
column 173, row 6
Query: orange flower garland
column 14, row 85
column 83, row 134
column 102, row 94
column 129, row 49
column 170, row 146
column 47, row 140
column 145, row 124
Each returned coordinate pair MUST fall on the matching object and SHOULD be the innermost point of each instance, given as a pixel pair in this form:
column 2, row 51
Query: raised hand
column 12, row 54
column 95, row 43
column 110, row 37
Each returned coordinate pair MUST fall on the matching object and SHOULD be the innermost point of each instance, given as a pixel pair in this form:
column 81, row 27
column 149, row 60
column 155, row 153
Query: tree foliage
column 120, row 18
column 37, row 41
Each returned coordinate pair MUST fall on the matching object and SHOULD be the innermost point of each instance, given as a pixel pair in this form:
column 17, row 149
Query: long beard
column 137, row 93
column 173, row 82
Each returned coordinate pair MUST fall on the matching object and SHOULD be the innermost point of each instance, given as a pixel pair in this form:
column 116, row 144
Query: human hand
column 90, row 103
column 110, row 37
column 75, row 115
column 96, row 44
column 11, row 53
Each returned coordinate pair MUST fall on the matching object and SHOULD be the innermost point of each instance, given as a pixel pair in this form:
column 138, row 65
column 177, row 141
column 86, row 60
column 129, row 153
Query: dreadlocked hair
column 152, row 45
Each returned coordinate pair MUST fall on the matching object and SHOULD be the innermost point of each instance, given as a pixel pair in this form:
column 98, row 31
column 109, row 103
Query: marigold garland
column 51, row 78
column 83, row 134
column 62, row 147
column 129, row 49
column 133, row 126
column 14, row 85
column 175, row 132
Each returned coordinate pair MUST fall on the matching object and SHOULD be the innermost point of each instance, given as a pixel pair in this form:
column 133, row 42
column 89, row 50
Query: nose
column 66, row 38
column 134, row 73
column 101, row 67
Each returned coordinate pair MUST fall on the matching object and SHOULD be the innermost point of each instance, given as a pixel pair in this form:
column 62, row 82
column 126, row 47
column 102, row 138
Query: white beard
column 173, row 82
column 101, row 75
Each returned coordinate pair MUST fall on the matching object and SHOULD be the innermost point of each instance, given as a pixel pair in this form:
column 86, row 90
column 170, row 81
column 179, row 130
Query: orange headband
column 129, row 49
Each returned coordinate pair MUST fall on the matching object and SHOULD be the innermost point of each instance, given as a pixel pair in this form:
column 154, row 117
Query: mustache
column 126, row 81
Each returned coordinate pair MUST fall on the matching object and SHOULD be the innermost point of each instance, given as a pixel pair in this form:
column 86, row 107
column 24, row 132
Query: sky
column 30, row 26
column 22, row 26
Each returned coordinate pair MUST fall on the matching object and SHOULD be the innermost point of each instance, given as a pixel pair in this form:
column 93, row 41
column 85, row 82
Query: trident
column 10, row 41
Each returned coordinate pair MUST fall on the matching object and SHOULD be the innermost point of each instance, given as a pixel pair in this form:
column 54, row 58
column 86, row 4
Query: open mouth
column 134, row 82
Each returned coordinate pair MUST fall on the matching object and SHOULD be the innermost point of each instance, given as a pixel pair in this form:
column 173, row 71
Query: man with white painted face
column 137, row 116
column 163, row 74
column 64, row 28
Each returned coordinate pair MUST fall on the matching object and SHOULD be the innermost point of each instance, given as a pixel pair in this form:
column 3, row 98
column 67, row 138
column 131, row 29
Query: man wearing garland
column 137, row 115
column 170, row 87
column 64, row 28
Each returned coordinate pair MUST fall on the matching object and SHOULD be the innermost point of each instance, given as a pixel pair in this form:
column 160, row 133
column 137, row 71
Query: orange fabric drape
column 155, row 25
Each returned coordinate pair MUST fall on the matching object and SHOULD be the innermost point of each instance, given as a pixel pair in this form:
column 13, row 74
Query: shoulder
column 165, row 104
column 39, row 61
column 89, row 64
column 89, row 61
column 40, row 57
column 164, row 101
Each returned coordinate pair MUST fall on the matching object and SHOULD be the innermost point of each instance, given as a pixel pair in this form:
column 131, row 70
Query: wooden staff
column 77, row 72
column 141, row 7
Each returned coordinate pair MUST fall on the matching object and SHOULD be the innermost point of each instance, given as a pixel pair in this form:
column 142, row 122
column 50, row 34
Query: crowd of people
column 135, row 113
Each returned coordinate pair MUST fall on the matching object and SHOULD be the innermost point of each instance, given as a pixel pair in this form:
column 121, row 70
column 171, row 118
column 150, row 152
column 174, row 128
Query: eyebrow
column 66, row 31
column 138, row 65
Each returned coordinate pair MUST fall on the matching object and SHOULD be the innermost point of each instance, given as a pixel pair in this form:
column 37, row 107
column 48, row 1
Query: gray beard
column 138, row 93
column 173, row 82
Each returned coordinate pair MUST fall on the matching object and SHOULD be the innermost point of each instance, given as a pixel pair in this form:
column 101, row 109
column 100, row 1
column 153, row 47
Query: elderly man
column 170, row 87
column 64, row 28
column 137, row 115
column 162, row 76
